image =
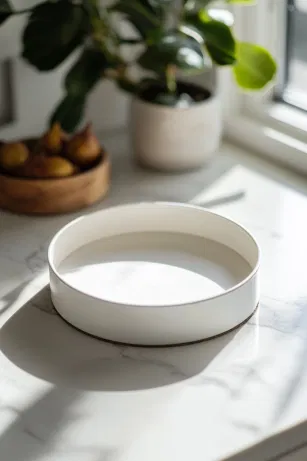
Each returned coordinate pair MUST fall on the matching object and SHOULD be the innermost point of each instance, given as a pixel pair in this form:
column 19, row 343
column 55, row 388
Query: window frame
column 261, row 121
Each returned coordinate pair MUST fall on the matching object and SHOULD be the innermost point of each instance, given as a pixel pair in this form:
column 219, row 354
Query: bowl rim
column 128, row 305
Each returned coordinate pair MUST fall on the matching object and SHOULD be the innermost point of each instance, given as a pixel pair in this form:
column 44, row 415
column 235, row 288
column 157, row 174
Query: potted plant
column 174, row 124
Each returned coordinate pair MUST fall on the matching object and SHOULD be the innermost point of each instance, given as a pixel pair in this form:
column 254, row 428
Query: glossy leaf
column 173, row 49
column 53, row 32
column 217, row 37
column 255, row 66
column 203, row 3
column 69, row 112
column 139, row 13
column 242, row 2
column 157, row 4
column 160, row 7
column 87, row 71
column 224, row 16
column 196, row 3
column 5, row 10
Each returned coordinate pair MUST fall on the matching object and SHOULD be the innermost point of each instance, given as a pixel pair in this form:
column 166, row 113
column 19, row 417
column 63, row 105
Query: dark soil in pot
column 186, row 94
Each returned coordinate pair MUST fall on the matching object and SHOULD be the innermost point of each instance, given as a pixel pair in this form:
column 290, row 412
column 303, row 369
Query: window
column 292, row 87
column 275, row 121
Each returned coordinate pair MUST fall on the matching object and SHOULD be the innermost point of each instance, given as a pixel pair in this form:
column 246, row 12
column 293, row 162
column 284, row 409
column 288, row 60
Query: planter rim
column 137, row 98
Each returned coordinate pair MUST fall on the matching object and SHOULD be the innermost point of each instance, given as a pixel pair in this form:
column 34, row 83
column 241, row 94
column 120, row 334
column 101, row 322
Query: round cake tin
column 154, row 274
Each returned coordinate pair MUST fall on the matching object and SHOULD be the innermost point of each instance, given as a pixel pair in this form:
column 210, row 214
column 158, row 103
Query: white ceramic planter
column 168, row 138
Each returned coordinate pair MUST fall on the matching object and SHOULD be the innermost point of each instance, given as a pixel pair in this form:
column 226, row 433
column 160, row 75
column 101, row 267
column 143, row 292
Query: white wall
column 36, row 94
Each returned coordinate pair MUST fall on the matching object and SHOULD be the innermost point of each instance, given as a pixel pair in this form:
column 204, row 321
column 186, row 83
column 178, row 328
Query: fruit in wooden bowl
column 84, row 148
column 53, row 174
column 13, row 155
column 54, row 139
column 49, row 167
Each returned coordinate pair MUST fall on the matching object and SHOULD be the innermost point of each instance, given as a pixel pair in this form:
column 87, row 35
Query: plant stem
column 108, row 42
column 93, row 8
column 25, row 11
column 170, row 74
column 103, row 34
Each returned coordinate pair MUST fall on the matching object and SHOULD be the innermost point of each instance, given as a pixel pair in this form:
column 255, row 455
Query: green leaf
column 154, row 36
column 69, row 112
column 217, row 37
column 139, row 13
column 159, row 7
column 242, row 2
column 173, row 49
column 224, row 16
column 255, row 66
column 5, row 10
column 87, row 71
column 157, row 4
column 203, row 3
column 53, row 32
column 192, row 4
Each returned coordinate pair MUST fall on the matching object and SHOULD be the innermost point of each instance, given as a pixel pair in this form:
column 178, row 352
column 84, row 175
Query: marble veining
column 36, row 261
column 65, row 396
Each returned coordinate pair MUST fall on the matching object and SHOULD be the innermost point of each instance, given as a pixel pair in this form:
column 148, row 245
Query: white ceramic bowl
column 154, row 274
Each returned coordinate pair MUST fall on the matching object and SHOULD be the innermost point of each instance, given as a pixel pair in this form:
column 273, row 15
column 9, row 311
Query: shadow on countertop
column 39, row 342
column 36, row 430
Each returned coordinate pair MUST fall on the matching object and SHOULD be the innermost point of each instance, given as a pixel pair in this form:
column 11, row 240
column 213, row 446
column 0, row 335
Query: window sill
column 279, row 135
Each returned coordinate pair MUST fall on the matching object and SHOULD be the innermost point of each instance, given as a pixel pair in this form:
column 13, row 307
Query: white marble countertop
column 67, row 397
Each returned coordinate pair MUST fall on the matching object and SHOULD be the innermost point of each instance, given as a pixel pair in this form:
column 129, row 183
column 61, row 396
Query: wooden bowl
column 58, row 195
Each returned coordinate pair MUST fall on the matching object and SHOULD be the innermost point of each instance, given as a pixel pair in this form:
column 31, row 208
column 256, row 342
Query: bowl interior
column 153, row 254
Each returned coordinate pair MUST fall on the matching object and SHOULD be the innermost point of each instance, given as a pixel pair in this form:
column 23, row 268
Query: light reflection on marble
column 65, row 396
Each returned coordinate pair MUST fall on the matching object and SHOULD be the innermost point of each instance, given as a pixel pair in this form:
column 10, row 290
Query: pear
column 49, row 167
column 53, row 140
column 83, row 148
column 13, row 155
